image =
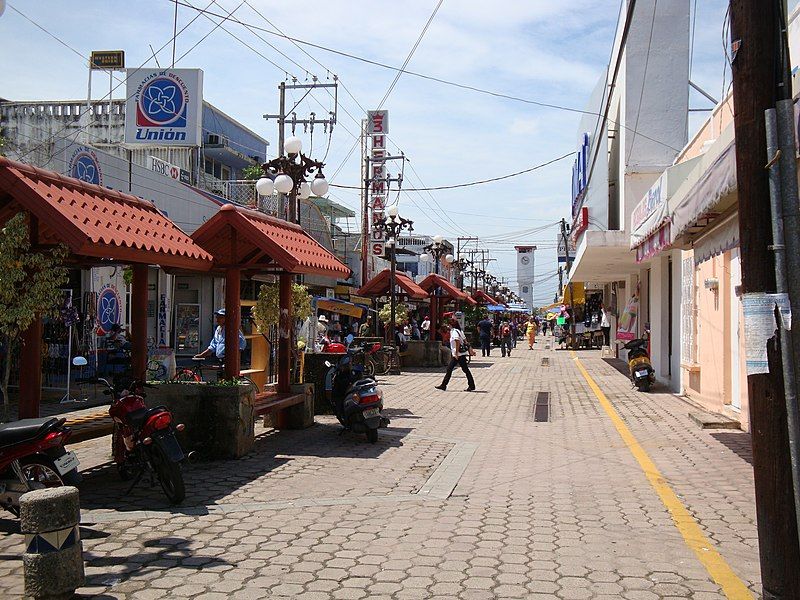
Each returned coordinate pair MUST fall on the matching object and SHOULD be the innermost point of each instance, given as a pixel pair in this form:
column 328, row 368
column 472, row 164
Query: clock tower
column 525, row 272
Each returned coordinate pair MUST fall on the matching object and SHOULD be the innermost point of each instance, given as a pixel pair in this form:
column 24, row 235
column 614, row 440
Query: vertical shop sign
column 377, row 130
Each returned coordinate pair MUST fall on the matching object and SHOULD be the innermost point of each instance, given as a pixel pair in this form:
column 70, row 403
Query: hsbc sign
column 377, row 130
column 169, row 170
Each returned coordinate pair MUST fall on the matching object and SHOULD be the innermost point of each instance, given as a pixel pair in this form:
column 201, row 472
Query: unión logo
column 162, row 102
column 108, row 307
column 84, row 166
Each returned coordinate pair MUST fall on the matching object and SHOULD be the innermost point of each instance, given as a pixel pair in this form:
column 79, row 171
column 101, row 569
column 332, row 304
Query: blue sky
column 541, row 50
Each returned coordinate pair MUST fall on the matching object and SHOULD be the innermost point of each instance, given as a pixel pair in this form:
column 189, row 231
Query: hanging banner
column 628, row 322
column 109, row 284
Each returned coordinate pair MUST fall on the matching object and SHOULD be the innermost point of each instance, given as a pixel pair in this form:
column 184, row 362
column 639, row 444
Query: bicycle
column 196, row 375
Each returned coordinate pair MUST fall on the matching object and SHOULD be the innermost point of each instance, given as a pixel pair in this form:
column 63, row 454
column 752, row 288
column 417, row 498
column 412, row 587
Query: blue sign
column 580, row 174
column 108, row 307
column 162, row 103
column 84, row 166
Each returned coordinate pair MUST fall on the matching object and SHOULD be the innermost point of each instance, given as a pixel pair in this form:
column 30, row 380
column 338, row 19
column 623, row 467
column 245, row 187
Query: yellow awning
column 580, row 295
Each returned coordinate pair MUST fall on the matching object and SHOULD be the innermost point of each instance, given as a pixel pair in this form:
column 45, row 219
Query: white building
column 646, row 99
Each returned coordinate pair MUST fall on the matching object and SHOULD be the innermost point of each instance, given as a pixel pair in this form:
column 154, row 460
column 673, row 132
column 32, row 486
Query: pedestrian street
column 600, row 492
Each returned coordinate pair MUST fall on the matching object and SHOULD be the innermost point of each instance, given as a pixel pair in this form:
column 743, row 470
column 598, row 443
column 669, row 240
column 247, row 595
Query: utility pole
column 560, row 280
column 292, row 213
column 754, row 26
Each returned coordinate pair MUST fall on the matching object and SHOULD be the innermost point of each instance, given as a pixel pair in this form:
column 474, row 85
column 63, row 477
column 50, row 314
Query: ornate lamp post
column 392, row 224
column 287, row 175
column 461, row 266
column 436, row 251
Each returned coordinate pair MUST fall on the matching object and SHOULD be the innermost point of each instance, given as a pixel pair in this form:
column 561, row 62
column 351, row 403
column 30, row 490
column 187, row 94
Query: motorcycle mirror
column 80, row 361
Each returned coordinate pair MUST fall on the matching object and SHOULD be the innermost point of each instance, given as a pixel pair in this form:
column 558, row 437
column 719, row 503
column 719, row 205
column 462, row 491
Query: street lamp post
column 461, row 265
column 287, row 175
column 392, row 224
column 436, row 251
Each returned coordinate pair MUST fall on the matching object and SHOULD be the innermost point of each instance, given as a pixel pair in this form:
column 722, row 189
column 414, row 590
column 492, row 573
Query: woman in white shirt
column 458, row 351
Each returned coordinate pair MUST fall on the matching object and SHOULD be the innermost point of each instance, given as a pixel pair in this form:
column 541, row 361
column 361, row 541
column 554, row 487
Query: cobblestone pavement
column 465, row 496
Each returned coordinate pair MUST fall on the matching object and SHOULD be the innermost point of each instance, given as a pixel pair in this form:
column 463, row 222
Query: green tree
column 30, row 283
column 266, row 311
column 253, row 172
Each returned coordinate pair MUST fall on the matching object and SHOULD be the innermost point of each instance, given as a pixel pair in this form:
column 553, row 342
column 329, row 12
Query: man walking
column 365, row 328
column 505, row 339
column 459, row 357
column 485, row 335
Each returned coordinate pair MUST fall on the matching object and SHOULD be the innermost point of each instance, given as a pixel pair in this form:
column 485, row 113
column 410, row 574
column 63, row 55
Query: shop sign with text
column 580, row 175
column 164, row 107
column 377, row 130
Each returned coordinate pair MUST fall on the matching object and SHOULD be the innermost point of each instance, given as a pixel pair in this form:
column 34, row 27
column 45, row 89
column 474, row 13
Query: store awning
column 718, row 240
column 253, row 241
column 578, row 289
column 434, row 281
column 94, row 222
column 379, row 286
column 711, row 194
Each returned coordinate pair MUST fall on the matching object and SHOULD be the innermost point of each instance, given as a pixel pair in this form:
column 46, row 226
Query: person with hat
column 217, row 345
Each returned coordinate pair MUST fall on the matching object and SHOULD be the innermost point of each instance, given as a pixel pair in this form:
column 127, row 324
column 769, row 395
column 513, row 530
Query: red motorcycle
column 32, row 457
column 143, row 439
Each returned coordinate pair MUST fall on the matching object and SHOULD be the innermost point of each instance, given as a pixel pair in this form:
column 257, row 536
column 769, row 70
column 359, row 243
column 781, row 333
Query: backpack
column 506, row 330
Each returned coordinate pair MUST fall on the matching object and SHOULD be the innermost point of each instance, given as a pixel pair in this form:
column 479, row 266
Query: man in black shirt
column 485, row 335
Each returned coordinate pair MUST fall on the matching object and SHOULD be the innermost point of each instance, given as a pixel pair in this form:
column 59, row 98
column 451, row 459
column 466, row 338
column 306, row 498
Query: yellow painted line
column 733, row 587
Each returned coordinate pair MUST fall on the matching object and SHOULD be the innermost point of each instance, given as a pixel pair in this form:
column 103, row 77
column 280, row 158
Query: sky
column 551, row 52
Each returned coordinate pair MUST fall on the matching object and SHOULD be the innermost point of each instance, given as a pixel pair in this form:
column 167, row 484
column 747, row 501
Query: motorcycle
column 143, row 438
column 32, row 457
column 641, row 370
column 356, row 400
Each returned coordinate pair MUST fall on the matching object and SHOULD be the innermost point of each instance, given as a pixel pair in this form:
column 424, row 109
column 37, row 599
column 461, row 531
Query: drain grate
column 541, row 408
column 545, row 361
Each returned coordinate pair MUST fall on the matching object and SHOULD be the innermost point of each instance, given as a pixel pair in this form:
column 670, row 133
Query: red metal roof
column 432, row 281
column 379, row 285
column 95, row 222
column 484, row 298
column 237, row 236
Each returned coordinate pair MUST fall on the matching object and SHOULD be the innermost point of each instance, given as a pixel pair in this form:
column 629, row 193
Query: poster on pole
column 628, row 322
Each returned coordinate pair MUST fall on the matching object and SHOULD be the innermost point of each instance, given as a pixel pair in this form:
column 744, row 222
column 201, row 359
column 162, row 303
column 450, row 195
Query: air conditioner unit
column 214, row 139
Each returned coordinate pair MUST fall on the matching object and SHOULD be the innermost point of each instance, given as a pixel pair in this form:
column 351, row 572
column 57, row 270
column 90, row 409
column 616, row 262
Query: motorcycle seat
column 25, row 429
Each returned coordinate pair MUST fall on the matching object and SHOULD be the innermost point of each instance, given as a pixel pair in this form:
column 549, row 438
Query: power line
column 433, row 78
column 471, row 183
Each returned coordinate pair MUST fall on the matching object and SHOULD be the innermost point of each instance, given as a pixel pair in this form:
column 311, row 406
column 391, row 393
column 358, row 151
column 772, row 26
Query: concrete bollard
column 53, row 558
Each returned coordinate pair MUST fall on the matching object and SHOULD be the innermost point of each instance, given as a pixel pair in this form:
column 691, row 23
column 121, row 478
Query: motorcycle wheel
column 644, row 385
column 41, row 470
column 372, row 435
column 369, row 367
column 169, row 475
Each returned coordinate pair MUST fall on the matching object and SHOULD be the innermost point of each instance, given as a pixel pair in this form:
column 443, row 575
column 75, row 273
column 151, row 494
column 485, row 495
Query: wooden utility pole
column 754, row 44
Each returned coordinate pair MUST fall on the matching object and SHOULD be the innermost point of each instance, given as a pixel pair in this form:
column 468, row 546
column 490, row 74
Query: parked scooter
column 143, row 438
column 32, row 457
column 356, row 400
column 641, row 370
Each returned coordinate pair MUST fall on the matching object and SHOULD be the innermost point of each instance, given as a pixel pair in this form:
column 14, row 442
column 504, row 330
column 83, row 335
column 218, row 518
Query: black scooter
column 356, row 400
column 642, row 373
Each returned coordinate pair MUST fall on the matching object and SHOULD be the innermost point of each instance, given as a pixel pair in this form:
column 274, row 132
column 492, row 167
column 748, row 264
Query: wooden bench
column 271, row 402
column 89, row 427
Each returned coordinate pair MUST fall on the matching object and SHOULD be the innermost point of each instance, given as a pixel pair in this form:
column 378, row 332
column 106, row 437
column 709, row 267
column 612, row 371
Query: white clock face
column 525, row 260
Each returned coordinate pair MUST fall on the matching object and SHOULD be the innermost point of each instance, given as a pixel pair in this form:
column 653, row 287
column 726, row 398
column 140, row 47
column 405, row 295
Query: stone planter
column 220, row 420
column 422, row 354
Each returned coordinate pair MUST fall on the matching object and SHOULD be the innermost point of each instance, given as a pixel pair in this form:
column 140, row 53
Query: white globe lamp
column 284, row 183
column 293, row 145
column 319, row 186
column 449, row 258
column 424, row 257
column 265, row 187
column 437, row 239
column 392, row 211
column 305, row 191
